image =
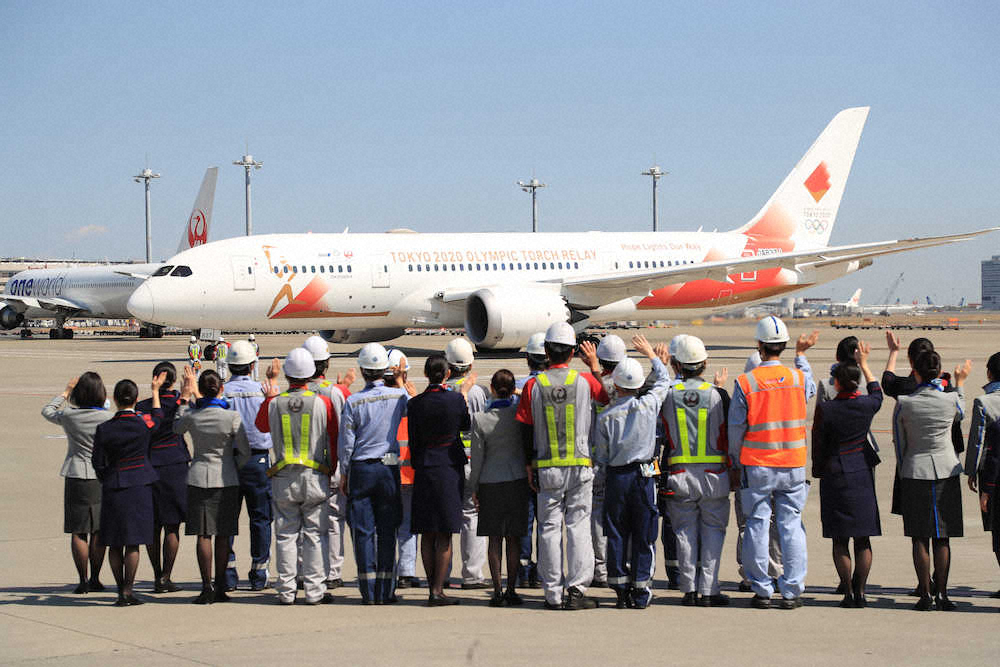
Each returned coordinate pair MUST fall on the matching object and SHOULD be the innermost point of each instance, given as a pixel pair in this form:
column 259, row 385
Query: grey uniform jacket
column 922, row 433
column 497, row 451
column 985, row 411
column 80, row 424
column 214, row 432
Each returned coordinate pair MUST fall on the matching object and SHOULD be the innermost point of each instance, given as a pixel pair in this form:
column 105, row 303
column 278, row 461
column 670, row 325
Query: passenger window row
column 502, row 266
column 653, row 264
column 312, row 268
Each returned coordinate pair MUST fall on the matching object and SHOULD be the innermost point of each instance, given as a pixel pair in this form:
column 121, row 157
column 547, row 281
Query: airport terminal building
column 991, row 283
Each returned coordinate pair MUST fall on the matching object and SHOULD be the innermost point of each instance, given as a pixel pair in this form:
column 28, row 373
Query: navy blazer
column 434, row 419
column 840, row 433
column 121, row 450
column 166, row 447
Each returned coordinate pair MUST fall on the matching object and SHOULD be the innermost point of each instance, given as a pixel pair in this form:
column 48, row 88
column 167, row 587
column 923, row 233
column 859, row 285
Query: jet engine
column 498, row 317
column 10, row 318
column 360, row 335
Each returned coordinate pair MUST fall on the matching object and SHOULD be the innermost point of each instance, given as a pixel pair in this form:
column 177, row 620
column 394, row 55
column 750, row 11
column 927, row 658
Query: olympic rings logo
column 816, row 226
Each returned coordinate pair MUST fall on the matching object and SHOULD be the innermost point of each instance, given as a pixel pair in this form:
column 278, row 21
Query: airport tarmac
column 42, row 621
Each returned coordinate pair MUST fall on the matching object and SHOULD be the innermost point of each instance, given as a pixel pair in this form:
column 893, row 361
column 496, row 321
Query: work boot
column 689, row 599
column 760, row 602
column 790, row 603
column 575, row 599
column 717, row 600
column 624, row 600
column 332, row 584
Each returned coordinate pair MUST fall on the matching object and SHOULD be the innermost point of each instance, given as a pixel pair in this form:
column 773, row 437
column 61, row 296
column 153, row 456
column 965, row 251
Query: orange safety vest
column 776, row 417
column 405, row 464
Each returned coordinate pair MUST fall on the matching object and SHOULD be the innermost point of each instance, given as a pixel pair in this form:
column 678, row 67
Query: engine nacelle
column 361, row 335
column 10, row 318
column 507, row 317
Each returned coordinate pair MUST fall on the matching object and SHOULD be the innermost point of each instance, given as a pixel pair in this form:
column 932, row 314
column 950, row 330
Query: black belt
column 257, row 452
column 378, row 460
column 629, row 466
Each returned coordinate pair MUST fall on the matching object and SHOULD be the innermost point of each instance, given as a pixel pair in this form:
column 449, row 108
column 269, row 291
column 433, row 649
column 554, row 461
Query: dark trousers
column 374, row 512
column 255, row 491
column 630, row 518
column 669, row 549
column 527, row 540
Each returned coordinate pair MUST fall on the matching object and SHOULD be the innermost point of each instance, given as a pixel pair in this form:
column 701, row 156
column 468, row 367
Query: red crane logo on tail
column 197, row 229
column 818, row 182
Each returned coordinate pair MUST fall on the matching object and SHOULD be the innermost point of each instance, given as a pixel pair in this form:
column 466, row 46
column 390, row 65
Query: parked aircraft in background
column 96, row 291
column 503, row 287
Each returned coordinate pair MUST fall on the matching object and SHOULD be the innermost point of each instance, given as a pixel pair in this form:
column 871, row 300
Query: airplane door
column 748, row 276
column 243, row 274
column 380, row 271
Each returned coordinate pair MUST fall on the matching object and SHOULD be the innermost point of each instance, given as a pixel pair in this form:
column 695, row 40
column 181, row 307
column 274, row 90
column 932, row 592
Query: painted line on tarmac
column 110, row 639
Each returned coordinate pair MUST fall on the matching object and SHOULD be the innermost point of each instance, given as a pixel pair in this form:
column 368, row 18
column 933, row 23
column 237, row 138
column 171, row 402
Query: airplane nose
column 140, row 304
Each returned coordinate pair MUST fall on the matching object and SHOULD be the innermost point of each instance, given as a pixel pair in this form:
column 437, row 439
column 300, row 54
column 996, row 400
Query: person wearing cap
column 534, row 353
column 369, row 468
column 460, row 356
column 555, row 410
column 245, row 395
column 767, row 434
column 304, row 427
column 194, row 354
column 406, row 541
column 610, row 352
column 221, row 357
column 695, row 463
column 625, row 445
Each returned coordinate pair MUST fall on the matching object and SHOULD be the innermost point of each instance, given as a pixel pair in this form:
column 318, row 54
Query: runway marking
column 96, row 636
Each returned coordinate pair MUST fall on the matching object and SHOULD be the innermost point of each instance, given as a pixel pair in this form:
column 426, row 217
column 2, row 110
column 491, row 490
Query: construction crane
column 892, row 289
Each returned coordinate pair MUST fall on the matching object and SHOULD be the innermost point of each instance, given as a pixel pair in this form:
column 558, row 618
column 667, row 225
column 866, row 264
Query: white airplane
column 503, row 287
column 96, row 291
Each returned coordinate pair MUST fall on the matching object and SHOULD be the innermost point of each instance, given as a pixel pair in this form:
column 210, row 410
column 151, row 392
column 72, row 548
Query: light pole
column 249, row 163
column 147, row 175
column 657, row 174
column 532, row 186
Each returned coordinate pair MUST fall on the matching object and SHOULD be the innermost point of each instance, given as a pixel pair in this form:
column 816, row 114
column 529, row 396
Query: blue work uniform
column 760, row 488
column 366, row 444
column 246, row 395
column 625, row 445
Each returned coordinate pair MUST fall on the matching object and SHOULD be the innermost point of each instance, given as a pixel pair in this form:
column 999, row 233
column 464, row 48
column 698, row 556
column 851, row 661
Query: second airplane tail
column 196, row 229
column 804, row 207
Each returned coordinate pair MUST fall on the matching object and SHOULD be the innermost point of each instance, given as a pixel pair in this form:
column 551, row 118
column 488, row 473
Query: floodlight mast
column 656, row 174
column 248, row 163
column 146, row 176
column 532, row 186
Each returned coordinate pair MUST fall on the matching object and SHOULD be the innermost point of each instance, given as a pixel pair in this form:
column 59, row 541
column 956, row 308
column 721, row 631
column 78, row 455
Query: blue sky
column 424, row 115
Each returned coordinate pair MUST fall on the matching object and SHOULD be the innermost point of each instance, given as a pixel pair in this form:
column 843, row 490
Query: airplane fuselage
column 100, row 291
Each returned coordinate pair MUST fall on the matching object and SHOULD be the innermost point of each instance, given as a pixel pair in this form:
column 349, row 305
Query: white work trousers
column 597, row 527
column 699, row 514
column 300, row 506
column 337, row 508
column 473, row 547
column 564, row 500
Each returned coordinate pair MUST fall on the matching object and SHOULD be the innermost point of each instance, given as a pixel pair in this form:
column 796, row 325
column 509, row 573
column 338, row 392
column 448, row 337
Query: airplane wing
column 599, row 289
column 56, row 304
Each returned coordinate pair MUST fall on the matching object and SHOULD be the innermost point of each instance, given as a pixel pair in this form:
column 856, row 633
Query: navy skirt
column 127, row 516
column 932, row 507
column 848, row 506
column 170, row 494
column 437, row 499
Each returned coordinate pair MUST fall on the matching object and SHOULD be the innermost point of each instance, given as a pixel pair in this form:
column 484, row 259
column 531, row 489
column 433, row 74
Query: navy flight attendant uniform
column 121, row 462
column 169, row 455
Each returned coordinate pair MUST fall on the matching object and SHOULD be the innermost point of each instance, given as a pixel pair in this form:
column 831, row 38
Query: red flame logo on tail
column 197, row 229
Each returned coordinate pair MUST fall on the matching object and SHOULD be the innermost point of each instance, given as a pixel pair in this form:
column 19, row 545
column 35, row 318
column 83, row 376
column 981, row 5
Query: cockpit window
column 182, row 271
column 163, row 270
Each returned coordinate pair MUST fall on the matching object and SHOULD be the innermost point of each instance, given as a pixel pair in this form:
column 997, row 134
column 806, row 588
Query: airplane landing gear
column 61, row 333
column 150, row 331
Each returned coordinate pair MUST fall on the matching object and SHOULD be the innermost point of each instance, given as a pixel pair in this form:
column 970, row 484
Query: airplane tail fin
column 804, row 207
column 196, row 229
column 855, row 300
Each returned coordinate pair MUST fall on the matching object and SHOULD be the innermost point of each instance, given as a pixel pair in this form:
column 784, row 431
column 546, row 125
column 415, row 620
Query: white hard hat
column 373, row 357
column 690, row 350
column 193, row 339
column 536, row 344
column 772, row 330
column 252, row 337
column 459, row 352
column 317, row 348
column 628, row 374
column 675, row 343
column 299, row 364
column 397, row 358
column 612, row 348
column 242, row 354
column 561, row 333
column 221, row 339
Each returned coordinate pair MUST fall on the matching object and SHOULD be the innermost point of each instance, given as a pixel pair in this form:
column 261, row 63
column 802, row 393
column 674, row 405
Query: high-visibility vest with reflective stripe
column 464, row 436
column 405, row 463
column 563, row 403
column 194, row 352
column 296, row 432
column 776, row 417
column 694, row 443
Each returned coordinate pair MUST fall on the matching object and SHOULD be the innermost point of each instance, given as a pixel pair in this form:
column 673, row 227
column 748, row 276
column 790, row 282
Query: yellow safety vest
column 302, row 458
column 684, row 445
column 566, row 418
